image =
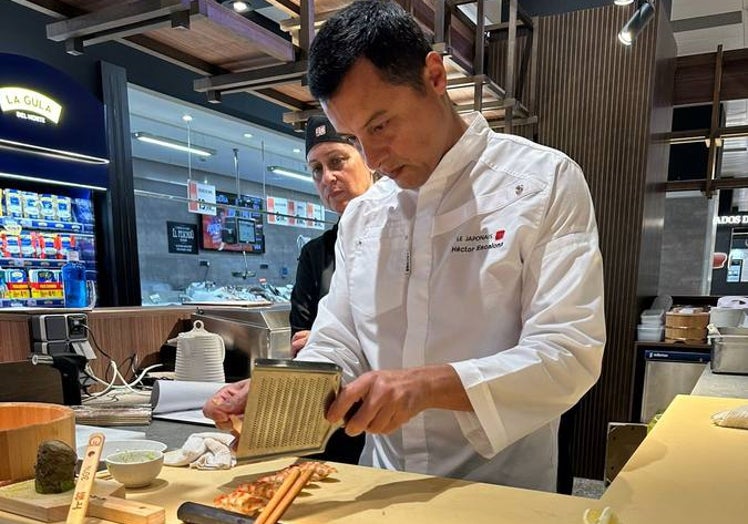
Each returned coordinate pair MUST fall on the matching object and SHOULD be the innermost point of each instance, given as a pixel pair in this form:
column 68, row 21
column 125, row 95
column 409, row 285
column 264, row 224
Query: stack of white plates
column 651, row 327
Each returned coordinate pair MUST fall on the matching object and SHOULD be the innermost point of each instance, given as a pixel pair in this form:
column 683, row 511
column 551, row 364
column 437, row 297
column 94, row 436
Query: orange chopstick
column 288, row 498
column 283, row 489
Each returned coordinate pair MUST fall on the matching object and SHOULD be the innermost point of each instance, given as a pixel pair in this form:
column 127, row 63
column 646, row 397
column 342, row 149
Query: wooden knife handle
column 194, row 513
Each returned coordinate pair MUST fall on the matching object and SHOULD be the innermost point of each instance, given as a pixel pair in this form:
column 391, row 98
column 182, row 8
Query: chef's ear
column 435, row 73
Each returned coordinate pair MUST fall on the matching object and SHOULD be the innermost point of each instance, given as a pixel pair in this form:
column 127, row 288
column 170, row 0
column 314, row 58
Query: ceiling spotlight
column 623, row 2
column 187, row 118
column 296, row 150
column 240, row 7
column 248, row 135
column 636, row 24
column 278, row 170
column 173, row 144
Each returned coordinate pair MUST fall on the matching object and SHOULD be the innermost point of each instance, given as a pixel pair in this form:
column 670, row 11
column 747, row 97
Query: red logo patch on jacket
column 499, row 234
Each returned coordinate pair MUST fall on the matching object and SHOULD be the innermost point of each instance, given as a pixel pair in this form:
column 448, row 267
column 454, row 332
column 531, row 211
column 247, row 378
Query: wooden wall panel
column 135, row 331
column 15, row 337
column 121, row 332
column 594, row 102
column 694, row 77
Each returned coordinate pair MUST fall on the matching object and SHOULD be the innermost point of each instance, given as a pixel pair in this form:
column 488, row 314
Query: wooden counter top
column 687, row 471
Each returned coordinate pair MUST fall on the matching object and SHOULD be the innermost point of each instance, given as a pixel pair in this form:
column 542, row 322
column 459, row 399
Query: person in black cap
column 340, row 175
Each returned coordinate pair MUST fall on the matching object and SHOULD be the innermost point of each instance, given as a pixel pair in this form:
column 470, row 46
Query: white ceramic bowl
column 113, row 446
column 135, row 468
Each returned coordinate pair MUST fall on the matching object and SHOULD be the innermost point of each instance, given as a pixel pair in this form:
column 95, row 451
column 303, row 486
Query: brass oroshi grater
column 285, row 412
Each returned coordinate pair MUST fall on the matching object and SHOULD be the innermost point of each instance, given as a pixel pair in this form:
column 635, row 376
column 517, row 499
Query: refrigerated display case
column 37, row 232
column 53, row 173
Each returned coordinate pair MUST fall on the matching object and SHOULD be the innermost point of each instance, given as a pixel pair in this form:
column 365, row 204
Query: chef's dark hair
column 378, row 30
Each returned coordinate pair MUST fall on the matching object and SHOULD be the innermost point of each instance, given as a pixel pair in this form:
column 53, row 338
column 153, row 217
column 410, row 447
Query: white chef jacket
column 491, row 266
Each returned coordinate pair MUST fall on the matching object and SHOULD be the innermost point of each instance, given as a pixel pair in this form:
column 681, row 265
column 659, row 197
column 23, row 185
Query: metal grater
column 285, row 412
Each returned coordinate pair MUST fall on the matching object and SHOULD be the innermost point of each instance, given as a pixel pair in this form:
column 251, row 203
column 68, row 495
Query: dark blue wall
column 23, row 31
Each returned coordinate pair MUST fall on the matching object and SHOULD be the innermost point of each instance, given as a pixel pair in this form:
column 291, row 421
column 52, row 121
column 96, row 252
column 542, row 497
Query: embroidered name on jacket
column 472, row 243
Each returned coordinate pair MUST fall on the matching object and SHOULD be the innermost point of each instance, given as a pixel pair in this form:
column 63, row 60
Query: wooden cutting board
column 107, row 502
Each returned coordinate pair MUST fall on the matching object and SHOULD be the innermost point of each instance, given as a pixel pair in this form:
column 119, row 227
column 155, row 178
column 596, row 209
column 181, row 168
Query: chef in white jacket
column 466, row 308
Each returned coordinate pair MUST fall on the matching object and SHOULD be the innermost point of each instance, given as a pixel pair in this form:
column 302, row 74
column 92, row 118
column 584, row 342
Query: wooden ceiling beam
column 117, row 20
column 174, row 56
column 251, row 79
column 282, row 99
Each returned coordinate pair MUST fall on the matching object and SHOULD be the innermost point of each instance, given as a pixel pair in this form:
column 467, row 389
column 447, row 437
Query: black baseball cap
column 319, row 129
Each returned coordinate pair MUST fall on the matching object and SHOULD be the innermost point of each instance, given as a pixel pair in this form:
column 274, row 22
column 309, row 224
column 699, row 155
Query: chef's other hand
column 227, row 401
column 387, row 399
column 298, row 341
column 390, row 398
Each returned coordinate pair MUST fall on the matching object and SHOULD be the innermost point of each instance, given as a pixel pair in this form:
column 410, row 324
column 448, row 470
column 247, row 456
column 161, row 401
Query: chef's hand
column 298, row 341
column 390, row 398
column 227, row 401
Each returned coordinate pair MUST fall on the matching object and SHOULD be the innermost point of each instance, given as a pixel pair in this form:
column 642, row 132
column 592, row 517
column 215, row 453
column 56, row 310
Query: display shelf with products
column 38, row 233
column 48, row 225
column 32, row 262
column 32, row 302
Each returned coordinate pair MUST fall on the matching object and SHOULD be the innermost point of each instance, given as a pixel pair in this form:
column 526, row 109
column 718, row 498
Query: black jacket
column 313, row 274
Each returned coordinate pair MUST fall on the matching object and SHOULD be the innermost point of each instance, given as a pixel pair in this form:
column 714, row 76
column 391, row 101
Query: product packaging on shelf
column 64, row 209
column 13, row 203
column 67, row 242
column 10, row 246
column 50, row 245
column 31, row 207
column 83, row 211
column 17, row 283
column 48, row 206
column 2, row 204
column 29, row 245
column 45, row 283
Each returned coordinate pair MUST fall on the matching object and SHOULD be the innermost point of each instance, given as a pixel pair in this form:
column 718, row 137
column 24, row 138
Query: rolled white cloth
column 211, row 450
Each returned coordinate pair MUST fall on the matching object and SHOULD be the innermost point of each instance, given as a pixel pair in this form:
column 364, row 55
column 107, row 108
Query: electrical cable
column 95, row 343
column 111, row 386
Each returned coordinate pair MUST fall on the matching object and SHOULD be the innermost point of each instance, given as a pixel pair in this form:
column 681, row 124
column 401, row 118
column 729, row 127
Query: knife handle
column 194, row 513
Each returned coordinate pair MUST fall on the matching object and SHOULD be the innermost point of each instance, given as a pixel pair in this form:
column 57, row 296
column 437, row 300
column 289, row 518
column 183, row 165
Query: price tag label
column 201, row 197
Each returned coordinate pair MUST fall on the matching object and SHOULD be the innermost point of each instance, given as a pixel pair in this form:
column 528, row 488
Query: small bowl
column 115, row 446
column 135, row 468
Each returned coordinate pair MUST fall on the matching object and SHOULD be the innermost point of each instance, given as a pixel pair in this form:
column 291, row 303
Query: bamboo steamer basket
column 23, row 427
column 687, row 318
column 689, row 335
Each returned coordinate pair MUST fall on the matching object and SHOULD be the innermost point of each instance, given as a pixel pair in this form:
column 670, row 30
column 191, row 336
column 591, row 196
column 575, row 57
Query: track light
column 48, row 152
column 290, row 173
column 623, row 2
column 173, row 144
column 638, row 21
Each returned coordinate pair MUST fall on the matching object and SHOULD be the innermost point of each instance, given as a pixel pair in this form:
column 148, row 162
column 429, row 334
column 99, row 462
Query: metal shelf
column 31, row 302
column 49, row 225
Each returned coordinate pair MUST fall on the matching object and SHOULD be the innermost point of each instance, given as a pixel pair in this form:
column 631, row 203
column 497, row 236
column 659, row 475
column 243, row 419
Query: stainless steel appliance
column 667, row 374
column 249, row 333
column 730, row 351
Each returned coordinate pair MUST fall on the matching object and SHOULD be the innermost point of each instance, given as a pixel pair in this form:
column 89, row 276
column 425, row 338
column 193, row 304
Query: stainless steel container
column 262, row 332
column 730, row 351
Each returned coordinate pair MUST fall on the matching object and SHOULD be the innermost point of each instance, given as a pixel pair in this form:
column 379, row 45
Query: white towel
column 204, row 451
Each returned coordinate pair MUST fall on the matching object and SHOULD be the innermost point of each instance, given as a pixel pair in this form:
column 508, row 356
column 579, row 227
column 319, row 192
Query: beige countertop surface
column 712, row 384
column 686, row 471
